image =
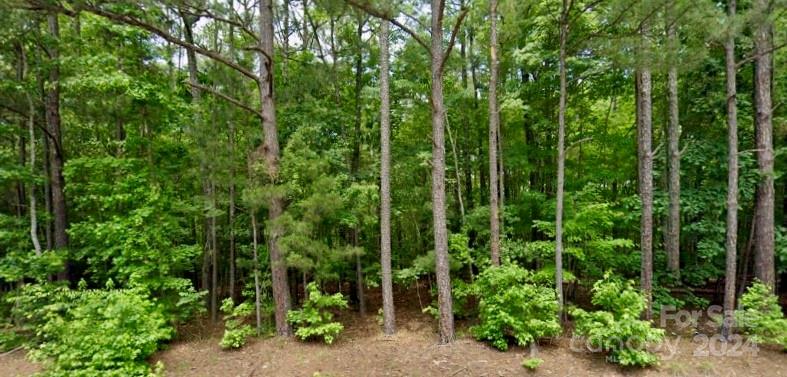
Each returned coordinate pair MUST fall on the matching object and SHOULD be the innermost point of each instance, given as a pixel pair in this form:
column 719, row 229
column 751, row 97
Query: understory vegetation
column 526, row 169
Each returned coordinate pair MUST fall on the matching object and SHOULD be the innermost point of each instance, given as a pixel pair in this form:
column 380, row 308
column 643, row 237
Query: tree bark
column 56, row 156
column 442, row 268
column 32, row 149
column 356, row 158
column 561, row 158
column 764, row 207
column 731, row 244
column 494, row 121
column 389, row 319
column 256, row 270
column 270, row 153
column 645, row 156
column 672, row 241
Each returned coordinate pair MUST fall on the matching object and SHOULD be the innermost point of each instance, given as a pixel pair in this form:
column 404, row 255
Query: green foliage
column 236, row 330
column 512, row 306
column 315, row 318
column 616, row 328
column 95, row 332
column 761, row 316
column 532, row 363
column 133, row 229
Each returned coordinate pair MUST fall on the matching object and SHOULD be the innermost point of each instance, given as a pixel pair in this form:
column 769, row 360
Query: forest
column 379, row 187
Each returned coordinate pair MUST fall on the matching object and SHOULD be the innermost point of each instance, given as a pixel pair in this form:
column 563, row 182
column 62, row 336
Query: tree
column 389, row 319
column 672, row 236
column 731, row 245
column 438, row 57
column 763, row 125
column 645, row 158
column 494, row 126
column 561, row 156
column 270, row 154
column 56, row 155
column 442, row 269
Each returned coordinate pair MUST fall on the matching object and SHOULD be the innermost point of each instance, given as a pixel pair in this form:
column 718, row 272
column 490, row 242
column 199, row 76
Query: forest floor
column 362, row 350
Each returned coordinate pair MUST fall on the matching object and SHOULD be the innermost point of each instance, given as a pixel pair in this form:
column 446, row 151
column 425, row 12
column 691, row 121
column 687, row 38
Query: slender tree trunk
column 389, row 319
column 732, row 177
column 672, row 242
column 501, row 176
column 56, row 152
column 48, row 229
column 456, row 170
column 208, row 251
column 764, row 207
column 561, row 158
column 214, row 257
column 270, row 153
column 32, row 192
column 494, row 120
column 231, row 206
column 356, row 157
column 442, row 268
column 256, row 270
column 644, row 142
column 231, row 136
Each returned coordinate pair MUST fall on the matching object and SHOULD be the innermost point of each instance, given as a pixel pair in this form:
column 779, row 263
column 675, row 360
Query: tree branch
column 368, row 8
column 750, row 58
column 227, row 98
column 133, row 21
column 452, row 40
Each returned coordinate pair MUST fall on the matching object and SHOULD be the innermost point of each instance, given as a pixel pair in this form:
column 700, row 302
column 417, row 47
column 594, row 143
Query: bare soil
column 362, row 350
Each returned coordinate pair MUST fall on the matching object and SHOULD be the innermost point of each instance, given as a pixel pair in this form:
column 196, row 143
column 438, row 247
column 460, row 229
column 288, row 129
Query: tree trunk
column 442, row 268
column 56, row 152
column 561, row 158
column 270, row 153
column 256, row 270
column 32, row 192
column 732, row 177
column 355, row 164
column 764, row 207
column 214, row 257
column 459, row 199
column 389, row 319
column 494, row 120
column 672, row 241
column 645, row 157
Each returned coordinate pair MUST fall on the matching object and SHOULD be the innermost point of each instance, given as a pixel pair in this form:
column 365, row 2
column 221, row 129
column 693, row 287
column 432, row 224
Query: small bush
column 236, row 331
column 511, row 306
column 761, row 316
column 617, row 328
column 98, row 332
column 314, row 319
column 532, row 363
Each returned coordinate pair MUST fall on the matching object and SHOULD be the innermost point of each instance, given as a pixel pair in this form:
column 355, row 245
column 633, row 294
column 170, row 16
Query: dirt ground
column 362, row 350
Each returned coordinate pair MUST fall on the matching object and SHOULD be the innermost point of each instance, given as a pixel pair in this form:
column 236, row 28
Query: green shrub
column 511, row 306
column 314, row 319
column 616, row 328
column 236, row 331
column 761, row 316
column 98, row 332
column 532, row 363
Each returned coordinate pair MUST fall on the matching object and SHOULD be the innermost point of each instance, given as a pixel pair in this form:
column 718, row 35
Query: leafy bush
column 314, row 319
column 761, row 316
column 97, row 332
column 532, row 363
column 617, row 328
column 512, row 306
column 236, row 331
